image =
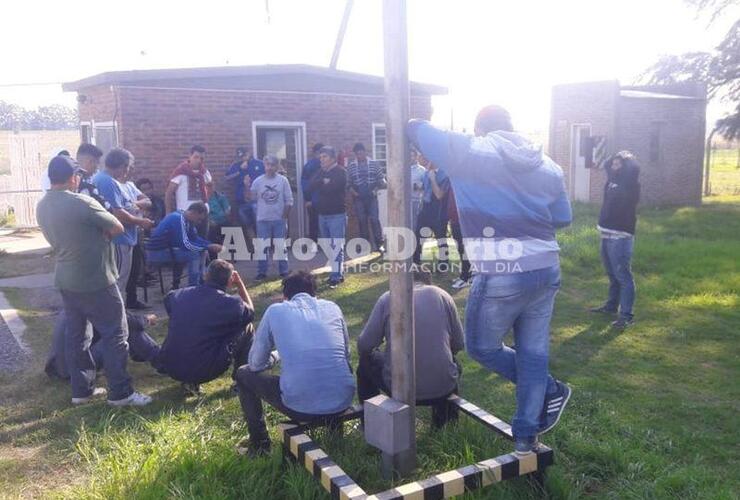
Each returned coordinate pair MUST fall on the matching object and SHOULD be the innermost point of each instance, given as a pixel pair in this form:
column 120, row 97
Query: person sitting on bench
column 315, row 382
column 439, row 336
column 208, row 328
column 141, row 347
column 176, row 237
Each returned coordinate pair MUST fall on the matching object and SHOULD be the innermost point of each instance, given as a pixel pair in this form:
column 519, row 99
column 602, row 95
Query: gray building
column 664, row 126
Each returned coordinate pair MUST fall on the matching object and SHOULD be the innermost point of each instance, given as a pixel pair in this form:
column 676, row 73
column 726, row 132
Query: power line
column 30, row 84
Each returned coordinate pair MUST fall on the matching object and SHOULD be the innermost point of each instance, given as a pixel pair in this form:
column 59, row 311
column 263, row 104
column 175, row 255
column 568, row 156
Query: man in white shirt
column 190, row 182
column 274, row 200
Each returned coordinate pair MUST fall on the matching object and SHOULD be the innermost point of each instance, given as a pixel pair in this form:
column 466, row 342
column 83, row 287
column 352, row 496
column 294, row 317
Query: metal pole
column 340, row 35
column 708, row 163
column 397, row 99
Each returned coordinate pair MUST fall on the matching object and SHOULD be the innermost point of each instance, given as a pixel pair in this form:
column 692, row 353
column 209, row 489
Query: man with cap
column 243, row 172
column 79, row 230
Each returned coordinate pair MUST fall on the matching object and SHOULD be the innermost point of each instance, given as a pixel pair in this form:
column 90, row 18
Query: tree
column 718, row 69
column 54, row 117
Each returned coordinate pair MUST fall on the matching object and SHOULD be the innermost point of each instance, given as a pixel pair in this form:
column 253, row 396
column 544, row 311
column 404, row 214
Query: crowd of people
column 95, row 219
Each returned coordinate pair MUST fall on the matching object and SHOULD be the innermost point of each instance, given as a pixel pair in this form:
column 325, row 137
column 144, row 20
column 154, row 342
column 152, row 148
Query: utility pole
column 340, row 35
column 403, row 387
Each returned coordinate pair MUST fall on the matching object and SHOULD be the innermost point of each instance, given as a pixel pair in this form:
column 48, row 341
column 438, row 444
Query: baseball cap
column 61, row 168
column 242, row 151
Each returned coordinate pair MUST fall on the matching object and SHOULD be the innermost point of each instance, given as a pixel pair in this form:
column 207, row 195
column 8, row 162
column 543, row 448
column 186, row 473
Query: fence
column 21, row 190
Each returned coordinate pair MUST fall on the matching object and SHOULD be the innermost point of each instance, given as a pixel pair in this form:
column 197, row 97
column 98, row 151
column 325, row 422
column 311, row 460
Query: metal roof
column 289, row 77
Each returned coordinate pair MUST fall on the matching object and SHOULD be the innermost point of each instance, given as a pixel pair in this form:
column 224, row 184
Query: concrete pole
column 399, row 215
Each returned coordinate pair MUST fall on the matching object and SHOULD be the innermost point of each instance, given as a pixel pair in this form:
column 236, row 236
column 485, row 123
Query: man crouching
column 312, row 344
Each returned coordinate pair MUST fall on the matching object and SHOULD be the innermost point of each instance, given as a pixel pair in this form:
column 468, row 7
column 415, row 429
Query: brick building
column 277, row 109
column 664, row 126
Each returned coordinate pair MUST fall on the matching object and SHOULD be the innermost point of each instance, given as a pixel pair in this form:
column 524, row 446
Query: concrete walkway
column 26, row 241
column 29, row 281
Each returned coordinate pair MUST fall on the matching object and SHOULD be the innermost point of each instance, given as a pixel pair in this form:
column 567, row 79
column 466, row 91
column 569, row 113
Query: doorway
column 287, row 141
column 580, row 175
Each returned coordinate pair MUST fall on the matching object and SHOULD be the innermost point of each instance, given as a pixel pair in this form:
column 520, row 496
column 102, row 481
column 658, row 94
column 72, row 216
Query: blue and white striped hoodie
column 510, row 196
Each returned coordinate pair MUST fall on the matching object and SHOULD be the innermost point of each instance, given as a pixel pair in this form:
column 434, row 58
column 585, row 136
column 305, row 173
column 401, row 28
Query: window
column 105, row 136
column 379, row 144
column 655, row 140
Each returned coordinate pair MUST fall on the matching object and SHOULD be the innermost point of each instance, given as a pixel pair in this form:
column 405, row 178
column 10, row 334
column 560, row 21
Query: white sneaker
column 97, row 392
column 135, row 399
column 459, row 284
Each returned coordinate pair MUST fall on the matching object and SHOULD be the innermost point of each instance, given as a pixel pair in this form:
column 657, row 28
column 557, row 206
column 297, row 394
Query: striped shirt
column 365, row 177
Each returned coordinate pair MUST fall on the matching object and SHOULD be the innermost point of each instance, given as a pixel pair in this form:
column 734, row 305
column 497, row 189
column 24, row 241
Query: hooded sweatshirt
column 510, row 196
column 621, row 194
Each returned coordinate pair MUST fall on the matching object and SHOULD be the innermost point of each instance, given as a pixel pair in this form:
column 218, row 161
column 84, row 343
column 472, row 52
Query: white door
column 580, row 175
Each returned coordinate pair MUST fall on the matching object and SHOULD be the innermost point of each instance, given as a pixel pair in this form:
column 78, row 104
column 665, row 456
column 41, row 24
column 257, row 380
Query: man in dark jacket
column 617, row 227
column 209, row 330
column 309, row 197
column 329, row 184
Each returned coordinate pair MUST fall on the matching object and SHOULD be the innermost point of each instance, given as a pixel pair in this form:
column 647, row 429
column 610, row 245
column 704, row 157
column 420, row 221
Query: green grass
column 653, row 413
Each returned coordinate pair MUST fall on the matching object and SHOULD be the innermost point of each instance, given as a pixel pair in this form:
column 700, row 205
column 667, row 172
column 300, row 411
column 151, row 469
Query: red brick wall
column 99, row 104
column 160, row 125
column 676, row 179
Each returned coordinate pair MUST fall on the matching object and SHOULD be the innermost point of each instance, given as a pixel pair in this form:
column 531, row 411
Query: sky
column 484, row 51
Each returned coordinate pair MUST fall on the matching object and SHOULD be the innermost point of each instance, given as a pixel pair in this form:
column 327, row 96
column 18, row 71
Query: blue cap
column 61, row 168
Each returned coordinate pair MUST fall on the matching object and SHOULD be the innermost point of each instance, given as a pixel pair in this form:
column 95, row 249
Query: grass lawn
column 653, row 415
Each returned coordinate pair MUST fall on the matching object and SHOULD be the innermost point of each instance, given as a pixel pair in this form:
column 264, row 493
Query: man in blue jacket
column 176, row 240
column 510, row 199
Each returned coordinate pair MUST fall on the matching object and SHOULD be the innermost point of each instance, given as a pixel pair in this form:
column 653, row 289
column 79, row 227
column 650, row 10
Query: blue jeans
column 335, row 228
column 366, row 210
column 195, row 262
column 616, row 254
column 274, row 230
column 521, row 302
column 247, row 215
column 104, row 309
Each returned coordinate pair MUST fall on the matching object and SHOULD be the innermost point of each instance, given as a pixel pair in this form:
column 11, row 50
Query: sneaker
column 138, row 305
column 524, row 446
column 254, row 449
column 603, row 310
column 333, row 283
column 97, row 392
column 554, row 405
column 191, row 389
column 622, row 323
column 460, row 283
column 135, row 399
column 260, row 277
